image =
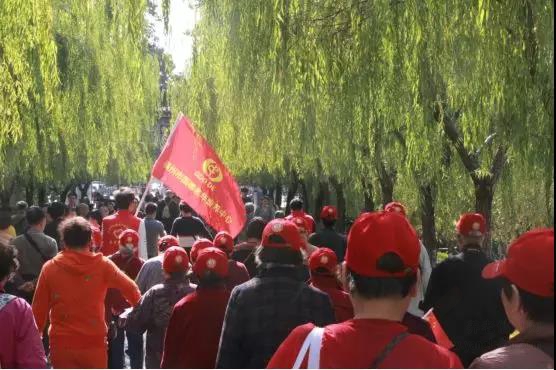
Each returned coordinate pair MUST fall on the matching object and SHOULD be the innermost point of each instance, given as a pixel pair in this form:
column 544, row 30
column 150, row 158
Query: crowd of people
column 287, row 292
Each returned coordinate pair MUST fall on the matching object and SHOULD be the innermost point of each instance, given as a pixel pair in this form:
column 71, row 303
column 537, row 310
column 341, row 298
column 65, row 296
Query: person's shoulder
column 437, row 356
column 513, row 355
column 187, row 300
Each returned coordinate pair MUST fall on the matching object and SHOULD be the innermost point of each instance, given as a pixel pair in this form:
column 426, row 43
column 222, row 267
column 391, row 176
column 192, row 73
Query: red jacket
column 193, row 332
column 237, row 274
column 343, row 307
column 112, row 226
column 115, row 302
column 307, row 217
column 355, row 344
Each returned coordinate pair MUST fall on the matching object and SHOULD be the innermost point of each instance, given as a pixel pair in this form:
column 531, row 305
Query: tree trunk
column 341, row 200
column 387, row 180
column 369, row 201
column 30, row 192
column 292, row 190
column 41, row 194
column 484, row 196
column 322, row 198
column 278, row 194
column 305, row 194
column 428, row 220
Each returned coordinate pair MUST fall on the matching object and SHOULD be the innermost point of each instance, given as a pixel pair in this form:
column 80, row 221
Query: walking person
column 382, row 270
column 70, row 292
column 152, row 314
column 195, row 325
column 20, row 341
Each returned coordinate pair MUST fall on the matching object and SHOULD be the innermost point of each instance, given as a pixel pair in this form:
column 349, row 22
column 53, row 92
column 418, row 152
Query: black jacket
column 467, row 306
column 330, row 239
column 262, row 312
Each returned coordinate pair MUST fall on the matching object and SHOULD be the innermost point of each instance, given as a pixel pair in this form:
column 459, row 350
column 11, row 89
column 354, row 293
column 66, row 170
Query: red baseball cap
column 129, row 238
column 329, row 213
column 395, row 207
column 167, row 241
column 375, row 234
column 529, row 263
column 285, row 229
column 211, row 259
column 323, row 258
column 198, row 246
column 471, row 224
column 175, row 259
column 224, row 241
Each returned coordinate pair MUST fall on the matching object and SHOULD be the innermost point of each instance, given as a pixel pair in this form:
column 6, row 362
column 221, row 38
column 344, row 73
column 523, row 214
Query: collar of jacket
column 274, row 270
column 536, row 333
column 325, row 282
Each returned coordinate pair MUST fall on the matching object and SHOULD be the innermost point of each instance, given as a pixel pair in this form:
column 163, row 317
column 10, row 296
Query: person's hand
column 27, row 287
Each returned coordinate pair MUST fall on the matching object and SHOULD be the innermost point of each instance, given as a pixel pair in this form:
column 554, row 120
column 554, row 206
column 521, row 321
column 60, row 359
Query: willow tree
column 78, row 91
column 433, row 103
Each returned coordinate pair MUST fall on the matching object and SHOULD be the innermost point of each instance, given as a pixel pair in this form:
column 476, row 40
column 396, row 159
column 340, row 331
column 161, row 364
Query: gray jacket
column 30, row 260
column 152, row 315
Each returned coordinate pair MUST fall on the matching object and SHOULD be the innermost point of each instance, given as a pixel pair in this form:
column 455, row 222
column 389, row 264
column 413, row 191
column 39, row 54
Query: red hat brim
column 494, row 270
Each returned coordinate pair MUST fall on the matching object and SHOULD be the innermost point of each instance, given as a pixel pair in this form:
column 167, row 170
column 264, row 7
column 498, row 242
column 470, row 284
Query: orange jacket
column 71, row 288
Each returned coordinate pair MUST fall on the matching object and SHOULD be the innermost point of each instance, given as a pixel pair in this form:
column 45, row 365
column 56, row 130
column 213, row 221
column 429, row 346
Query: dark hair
column 279, row 214
column 21, row 205
column 76, row 232
column 123, row 198
column 255, row 228
column 96, row 215
column 184, row 207
column 34, row 215
column 538, row 308
column 5, row 219
column 296, row 204
column 244, row 189
column 150, row 208
column 8, row 263
column 383, row 287
column 72, row 194
column 328, row 222
column 210, row 279
column 56, row 210
column 278, row 255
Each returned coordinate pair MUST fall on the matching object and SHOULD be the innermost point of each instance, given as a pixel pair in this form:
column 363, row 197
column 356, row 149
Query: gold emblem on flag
column 212, row 170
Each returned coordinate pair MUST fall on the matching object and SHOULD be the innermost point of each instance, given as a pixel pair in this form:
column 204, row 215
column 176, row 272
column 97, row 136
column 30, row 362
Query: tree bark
column 30, row 192
column 322, row 198
column 41, row 194
column 368, row 195
column 387, row 179
column 428, row 221
column 292, row 190
column 305, row 193
column 341, row 205
column 278, row 194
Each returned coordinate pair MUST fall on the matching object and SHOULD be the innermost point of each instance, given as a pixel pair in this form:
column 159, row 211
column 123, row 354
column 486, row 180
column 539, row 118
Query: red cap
column 329, row 213
column 224, row 241
column 129, row 237
column 529, row 263
column 211, row 259
column 175, row 259
column 375, row 234
column 471, row 224
column 396, row 207
column 198, row 246
column 167, row 241
column 285, row 229
column 323, row 258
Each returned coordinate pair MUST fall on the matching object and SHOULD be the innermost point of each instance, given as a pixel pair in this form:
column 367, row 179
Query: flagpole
column 142, row 201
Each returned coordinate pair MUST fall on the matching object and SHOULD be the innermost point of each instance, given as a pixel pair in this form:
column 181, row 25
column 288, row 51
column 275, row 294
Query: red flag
column 190, row 167
column 439, row 334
